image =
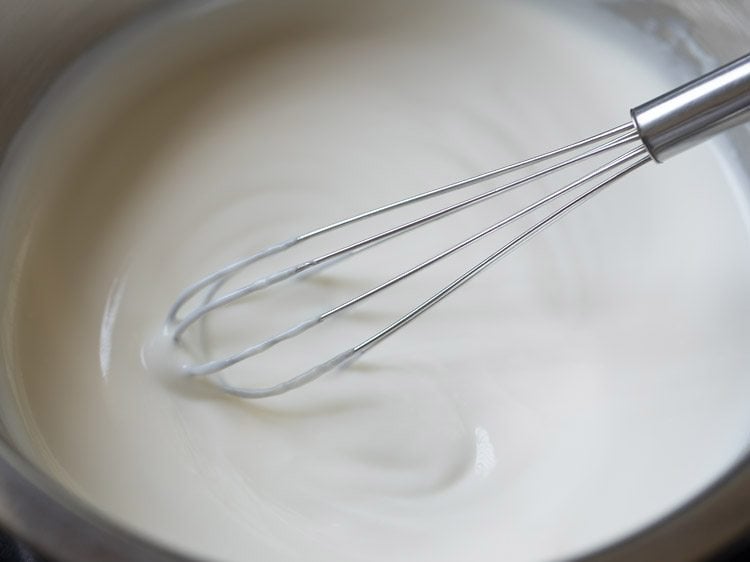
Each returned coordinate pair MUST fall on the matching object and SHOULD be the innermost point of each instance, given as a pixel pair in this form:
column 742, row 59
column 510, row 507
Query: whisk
column 656, row 131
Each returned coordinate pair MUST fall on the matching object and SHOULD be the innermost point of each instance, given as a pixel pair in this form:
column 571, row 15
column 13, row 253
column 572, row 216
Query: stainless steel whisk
column 657, row 130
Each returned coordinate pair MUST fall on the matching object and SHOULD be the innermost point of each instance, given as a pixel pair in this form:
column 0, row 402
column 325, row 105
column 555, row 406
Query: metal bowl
column 40, row 38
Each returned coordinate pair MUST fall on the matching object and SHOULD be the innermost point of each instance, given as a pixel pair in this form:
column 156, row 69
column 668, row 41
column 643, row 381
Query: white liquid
column 576, row 391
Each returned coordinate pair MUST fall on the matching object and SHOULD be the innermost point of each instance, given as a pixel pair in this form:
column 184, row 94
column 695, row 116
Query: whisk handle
column 699, row 109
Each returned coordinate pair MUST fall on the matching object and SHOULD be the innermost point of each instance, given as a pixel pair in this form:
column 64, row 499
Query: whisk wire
column 632, row 160
column 181, row 325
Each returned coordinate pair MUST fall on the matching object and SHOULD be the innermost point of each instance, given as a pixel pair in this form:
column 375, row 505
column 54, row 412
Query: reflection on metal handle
column 689, row 114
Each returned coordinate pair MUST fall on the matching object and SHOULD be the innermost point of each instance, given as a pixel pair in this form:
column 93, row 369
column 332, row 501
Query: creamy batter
column 578, row 390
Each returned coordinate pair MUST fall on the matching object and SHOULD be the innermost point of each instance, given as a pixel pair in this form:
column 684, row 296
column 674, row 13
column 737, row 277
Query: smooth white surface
column 578, row 390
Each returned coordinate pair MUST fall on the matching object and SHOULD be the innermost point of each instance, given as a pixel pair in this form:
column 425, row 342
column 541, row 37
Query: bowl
column 39, row 40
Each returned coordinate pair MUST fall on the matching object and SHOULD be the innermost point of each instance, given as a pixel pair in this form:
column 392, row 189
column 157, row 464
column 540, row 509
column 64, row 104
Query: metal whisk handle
column 679, row 119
